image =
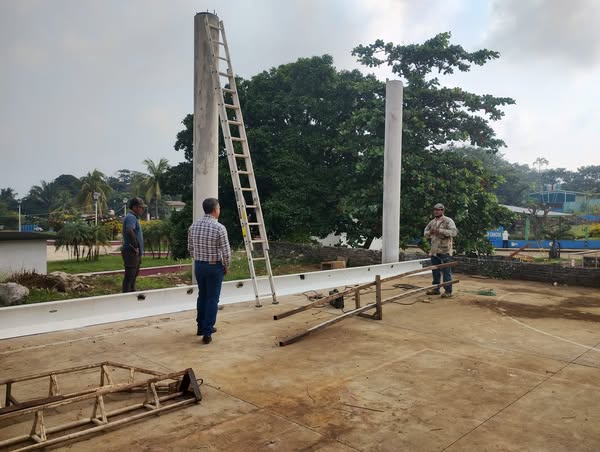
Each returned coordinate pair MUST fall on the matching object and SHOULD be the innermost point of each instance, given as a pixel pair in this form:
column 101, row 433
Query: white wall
column 23, row 255
column 340, row 240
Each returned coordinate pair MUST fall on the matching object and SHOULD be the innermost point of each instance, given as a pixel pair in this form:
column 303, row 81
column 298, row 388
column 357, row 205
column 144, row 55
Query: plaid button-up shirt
column 207, row 241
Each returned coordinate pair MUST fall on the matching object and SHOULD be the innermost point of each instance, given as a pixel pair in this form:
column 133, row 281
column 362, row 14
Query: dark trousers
column 437, row 273
column 504, row 243
column 210, row 279
column 132, row 263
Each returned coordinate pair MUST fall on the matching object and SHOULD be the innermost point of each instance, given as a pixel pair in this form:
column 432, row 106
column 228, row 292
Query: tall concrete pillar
column 392, row 166
column 206, row 117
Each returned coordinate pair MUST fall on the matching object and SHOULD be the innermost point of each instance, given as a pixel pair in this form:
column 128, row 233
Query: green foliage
column 433, row 118
column 156, row 173
column 594, row 231
column 9, row 198
column 317, row 137
column 105, row 263
column 8, row 219
column 78, row 237
column 94, row 182
column 156, row 234
column 180, row 222
column 434, row 115
column 559, row 230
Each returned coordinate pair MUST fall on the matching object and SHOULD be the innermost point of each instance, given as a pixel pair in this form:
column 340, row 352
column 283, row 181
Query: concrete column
column 206, row 117
column 392, row 165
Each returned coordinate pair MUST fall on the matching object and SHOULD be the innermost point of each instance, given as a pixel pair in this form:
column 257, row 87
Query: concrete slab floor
column 516, row 371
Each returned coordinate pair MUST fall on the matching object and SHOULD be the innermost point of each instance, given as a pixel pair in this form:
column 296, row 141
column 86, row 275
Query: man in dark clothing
column 208, row 245
column 133, row 243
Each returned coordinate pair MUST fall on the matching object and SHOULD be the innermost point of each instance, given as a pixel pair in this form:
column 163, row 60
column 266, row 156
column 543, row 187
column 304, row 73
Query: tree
column 156, row 174
column 68, row 183
column 317, row 136
column 540, row 163
column 434, row 117
column 44, row 196
column 94, row 182
column 8, row 218
column 9, row 197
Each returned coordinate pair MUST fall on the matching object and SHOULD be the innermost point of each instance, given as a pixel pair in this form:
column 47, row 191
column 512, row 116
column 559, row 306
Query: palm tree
column 156, row 173
column 44, row 194
column 72, row 236
column 94, row 182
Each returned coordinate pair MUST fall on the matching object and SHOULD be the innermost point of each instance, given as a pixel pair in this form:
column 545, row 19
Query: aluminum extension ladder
column 240, row 163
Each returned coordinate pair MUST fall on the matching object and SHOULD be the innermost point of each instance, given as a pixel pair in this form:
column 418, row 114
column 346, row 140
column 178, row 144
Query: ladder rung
column 221, row 43
column 248, row 189
column 259, row 258
column 237, row 139
column 241, row 156
column 244, row 172
column 235, row 123
column 222, row 58
column 266, row 294
column 229, row 90
column 223, row 74
column 257, row 241
column 216, row 27
column 254, row 224
column 231, row 107
column 251, row 206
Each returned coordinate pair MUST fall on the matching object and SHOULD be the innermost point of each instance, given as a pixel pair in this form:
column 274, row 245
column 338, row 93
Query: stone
column 12, row 293
column 65, row 282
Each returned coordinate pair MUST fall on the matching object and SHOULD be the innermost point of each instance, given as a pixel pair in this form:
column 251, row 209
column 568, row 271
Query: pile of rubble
column 15, row 292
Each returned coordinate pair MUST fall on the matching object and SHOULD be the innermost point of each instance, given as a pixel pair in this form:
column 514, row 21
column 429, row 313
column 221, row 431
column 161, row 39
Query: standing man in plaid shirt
column 209, row 247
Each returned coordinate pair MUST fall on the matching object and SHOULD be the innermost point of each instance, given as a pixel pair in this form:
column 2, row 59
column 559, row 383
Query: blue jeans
column 437, row 260
column 209, row 278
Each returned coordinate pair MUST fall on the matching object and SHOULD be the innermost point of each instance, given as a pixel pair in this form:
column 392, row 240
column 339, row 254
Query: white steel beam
column 38, row 318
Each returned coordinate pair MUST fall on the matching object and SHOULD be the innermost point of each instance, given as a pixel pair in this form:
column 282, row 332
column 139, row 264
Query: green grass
column 106, row 285
column 105, row 263
column 111, row 284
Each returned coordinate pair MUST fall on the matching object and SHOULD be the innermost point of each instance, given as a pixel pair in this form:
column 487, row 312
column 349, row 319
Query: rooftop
column 518, row 370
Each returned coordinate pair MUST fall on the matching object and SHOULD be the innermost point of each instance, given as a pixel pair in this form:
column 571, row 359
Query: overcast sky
column 105, row 84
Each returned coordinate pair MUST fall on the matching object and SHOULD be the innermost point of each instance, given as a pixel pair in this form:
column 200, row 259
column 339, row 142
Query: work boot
column 433, row 292
column 446, row 295
column 206, row 339
column 199, row 332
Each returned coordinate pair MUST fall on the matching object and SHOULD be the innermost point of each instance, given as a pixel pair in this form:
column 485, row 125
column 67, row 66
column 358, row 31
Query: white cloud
column 104, row 85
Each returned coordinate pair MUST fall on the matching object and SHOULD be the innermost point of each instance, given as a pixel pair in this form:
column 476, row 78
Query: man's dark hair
column 136, row 202
column 209, row 205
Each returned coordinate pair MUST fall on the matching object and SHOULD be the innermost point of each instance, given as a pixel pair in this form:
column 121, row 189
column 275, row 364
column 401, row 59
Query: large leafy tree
column 434, row 117
column 302, row 120
column 317, row 135
column 300, row 154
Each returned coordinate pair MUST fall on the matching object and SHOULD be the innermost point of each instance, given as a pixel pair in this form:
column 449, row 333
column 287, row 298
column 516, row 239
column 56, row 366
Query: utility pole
column 19, row 201
column 124, row 206
column 96, row 195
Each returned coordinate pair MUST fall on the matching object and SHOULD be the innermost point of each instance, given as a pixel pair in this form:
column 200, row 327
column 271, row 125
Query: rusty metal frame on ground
column 360, row 310
column 183, row 390
column 54, row 392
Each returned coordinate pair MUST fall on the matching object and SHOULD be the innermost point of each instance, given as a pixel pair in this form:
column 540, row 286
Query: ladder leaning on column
column 240, row 163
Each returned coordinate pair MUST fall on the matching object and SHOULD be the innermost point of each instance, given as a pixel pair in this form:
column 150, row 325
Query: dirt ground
column 518, row 370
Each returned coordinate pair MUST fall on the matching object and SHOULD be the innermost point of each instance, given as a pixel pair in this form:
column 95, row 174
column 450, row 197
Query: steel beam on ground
column 16, row 321
column 353, row 290
column 320, row 326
